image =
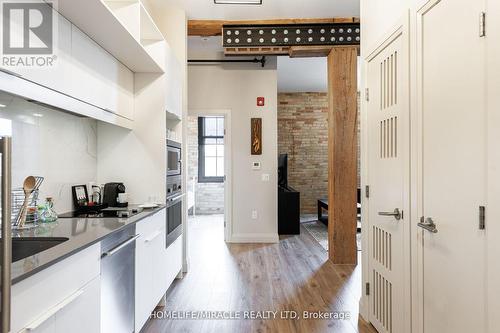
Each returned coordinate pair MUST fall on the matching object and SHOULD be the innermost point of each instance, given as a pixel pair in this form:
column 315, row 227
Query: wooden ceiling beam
column 311, row 51
column 208, row 28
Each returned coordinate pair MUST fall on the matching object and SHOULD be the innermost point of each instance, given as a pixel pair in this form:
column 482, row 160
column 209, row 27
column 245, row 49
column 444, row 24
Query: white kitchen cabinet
column 91, row 72
column 174, row 82
column 61, row 298
column 100, row 79
column 78, row 313
column 151, row 281
column 83, row 313
column 116, row 25
column 58, row 76
column 83, row 70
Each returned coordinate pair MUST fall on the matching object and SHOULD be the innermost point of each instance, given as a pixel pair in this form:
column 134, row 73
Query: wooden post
column 342, row 154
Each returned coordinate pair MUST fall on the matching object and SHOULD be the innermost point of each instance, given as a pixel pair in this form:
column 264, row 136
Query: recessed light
column 238, row 2
column 2, row 105
column 38, row 115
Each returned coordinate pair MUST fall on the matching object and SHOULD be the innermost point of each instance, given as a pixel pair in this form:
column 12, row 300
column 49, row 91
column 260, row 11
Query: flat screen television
column 283, row 170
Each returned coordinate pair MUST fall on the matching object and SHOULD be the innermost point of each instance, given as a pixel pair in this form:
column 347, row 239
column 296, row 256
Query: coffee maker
column 111, row 192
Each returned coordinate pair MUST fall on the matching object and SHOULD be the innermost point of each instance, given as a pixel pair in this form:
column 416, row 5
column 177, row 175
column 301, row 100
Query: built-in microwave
column 174, row 158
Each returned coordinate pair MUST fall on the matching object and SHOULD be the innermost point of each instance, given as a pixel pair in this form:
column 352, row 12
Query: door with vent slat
column 388, row 176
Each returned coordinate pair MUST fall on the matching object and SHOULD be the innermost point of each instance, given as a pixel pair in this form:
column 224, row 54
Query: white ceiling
column 270, row 9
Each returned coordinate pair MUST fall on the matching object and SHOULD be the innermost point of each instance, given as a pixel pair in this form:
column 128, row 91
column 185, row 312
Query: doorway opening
column 303, row 136
column 208, row 158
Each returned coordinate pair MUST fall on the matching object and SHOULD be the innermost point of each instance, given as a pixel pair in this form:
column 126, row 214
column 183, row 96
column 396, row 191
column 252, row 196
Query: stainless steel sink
column 24, row 247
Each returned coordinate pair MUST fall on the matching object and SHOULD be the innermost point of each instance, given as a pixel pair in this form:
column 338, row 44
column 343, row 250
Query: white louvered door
column 388, row 177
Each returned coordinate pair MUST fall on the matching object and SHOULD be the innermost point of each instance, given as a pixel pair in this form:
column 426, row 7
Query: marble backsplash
column 58, row 146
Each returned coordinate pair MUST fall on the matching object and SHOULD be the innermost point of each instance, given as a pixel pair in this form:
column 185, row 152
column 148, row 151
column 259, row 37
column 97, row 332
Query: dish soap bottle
column 48, row 213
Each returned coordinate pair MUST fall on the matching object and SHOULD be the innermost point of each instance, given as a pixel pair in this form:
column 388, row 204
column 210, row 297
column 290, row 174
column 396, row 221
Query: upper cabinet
column 59, row 76
column 101, row 79
column 122, row 27
column 174, row 82
column 100, row 44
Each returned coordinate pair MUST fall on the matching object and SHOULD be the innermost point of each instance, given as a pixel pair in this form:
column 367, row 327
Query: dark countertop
column 82, row 232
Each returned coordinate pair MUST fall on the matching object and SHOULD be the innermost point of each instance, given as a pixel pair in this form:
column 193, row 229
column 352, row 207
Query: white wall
column 58, row 146
column 377, row 17
column 302, row 74
column 141, row 152
column 235, row 87
column 137, row 157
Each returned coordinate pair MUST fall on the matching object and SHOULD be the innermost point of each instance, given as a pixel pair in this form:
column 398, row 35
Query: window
column 211, row 149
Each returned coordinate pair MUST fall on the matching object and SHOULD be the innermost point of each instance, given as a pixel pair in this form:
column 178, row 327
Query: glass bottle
column 48, row 213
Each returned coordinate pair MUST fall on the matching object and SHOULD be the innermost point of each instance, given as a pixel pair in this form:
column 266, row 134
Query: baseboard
column 254, row 238
column 363, row 310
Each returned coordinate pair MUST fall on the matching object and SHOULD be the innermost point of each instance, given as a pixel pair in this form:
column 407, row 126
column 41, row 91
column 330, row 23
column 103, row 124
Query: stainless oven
column 174, row 217
column 174, row 158
column 174, row 191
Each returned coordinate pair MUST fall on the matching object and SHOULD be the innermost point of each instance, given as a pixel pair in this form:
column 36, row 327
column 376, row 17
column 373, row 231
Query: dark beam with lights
column 338, row 34
column 208, row 28
column 295, row 40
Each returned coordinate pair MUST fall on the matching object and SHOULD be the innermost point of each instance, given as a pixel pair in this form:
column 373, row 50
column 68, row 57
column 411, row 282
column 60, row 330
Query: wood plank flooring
column 291, row 275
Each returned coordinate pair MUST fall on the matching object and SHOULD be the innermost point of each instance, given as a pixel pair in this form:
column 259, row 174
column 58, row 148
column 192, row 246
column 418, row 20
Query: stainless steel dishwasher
column 118, row 281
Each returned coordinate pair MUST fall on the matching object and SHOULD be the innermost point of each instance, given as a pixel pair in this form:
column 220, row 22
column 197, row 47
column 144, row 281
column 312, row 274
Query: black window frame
column 201, row 153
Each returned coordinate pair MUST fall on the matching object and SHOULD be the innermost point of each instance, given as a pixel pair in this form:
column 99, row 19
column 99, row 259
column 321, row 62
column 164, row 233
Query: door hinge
column 367, row 94
column 482, row 217
column 367, row 288
column 367, row 191
column 482, row 24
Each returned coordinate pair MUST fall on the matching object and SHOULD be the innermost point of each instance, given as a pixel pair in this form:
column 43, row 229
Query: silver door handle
column 6, row 150
column 119, row 247
column 428, row 224
column 177, row 197
column 396, row 214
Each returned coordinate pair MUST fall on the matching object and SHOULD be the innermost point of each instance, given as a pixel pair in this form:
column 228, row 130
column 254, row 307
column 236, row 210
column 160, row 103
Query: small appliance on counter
column 114, row 202
column 114, row 195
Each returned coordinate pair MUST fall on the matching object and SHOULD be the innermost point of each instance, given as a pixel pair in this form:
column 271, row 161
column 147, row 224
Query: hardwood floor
column 291, row 275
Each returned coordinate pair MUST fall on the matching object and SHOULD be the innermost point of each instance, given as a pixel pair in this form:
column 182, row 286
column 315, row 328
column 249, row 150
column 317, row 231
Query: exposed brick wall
column 303, row 134
column 209, row 197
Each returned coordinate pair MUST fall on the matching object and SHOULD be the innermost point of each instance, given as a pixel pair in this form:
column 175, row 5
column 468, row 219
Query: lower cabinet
column 66, row 297
column 82, row 312
column 78, row 313
column 62, row 298
column 151, row 280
